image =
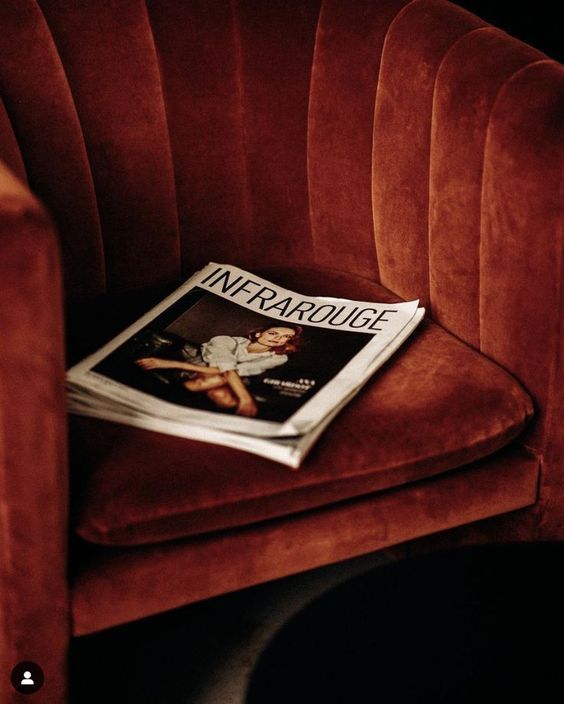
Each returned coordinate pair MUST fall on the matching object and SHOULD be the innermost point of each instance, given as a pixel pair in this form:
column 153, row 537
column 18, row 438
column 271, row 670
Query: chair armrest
column 33, row 473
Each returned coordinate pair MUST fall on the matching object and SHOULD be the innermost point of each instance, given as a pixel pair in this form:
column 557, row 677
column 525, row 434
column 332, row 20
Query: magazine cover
column 290, row 451
column 232, row 351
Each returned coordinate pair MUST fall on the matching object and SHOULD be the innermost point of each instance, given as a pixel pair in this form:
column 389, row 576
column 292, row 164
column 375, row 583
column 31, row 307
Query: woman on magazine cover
column 221, row 365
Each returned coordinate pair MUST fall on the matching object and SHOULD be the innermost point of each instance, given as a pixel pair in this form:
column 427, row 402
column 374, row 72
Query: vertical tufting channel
column 10, row 152
column 469, row 78
column 521, row 259
column 522, row 240
column 197, row 47
column 38, row 102
column 236, row 77
column 108, row 52
column 277, row 42
column 415, row 45
column 341, row 113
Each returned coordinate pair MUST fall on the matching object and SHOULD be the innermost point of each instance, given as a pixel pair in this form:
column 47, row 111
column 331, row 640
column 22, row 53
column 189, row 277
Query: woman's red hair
column 292, row 345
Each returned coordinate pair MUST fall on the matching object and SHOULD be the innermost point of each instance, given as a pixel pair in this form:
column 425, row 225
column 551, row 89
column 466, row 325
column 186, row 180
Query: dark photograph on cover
column 207, row 353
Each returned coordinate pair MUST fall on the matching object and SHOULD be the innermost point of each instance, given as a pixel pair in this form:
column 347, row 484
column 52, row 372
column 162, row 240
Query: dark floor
column 469, row 627
column 477, row 625
column 200, row 654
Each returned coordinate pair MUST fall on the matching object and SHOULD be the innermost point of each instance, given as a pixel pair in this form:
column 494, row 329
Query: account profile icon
column 27, row 677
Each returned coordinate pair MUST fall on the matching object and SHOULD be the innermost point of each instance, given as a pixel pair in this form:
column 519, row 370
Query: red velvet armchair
column 360, row 148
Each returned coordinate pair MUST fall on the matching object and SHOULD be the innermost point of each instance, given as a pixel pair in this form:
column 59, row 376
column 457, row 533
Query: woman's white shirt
column 227, row 353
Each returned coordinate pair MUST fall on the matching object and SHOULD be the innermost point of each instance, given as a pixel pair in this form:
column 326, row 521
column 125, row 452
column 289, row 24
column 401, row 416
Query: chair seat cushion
column 435, row 406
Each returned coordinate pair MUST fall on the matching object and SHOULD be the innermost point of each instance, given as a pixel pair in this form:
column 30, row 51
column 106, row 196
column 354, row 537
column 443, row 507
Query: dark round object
column 481, row 624
column 27, row 677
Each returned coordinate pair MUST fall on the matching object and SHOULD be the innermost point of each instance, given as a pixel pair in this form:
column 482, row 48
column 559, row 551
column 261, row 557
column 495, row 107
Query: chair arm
column 33, row 472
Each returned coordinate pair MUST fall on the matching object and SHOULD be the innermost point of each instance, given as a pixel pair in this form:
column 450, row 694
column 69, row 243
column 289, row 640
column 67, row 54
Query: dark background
column 536, row 23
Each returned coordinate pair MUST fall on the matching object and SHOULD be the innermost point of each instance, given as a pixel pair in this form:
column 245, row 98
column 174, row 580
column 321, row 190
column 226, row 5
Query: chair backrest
column 404, row 141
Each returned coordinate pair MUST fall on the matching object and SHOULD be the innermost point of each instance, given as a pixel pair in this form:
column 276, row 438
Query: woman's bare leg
column 203, row 383
column 246, row 405
column 223, row 397
column 217, row 390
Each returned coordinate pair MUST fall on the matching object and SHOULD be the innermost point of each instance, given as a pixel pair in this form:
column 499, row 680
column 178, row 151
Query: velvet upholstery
column 467, row 84
column 33, row 481
column 43, row 115
column 522, row 224
column 417, row 41
column 394, row 142
column 112, row 70
column 10, row 153
column 344, row 76
column 114, row 585
column 440, row 405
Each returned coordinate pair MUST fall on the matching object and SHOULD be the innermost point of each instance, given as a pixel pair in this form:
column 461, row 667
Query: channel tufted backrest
column 82, row 90
column 404, row 141
column 467, row 179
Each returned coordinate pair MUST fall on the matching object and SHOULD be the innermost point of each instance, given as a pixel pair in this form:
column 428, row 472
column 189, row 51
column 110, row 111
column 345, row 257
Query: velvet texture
column 112, row 70
column 10, row 153
column 416, row 43
column 43, row 115
column 33, row 477
column 344, row 76
column 114, row 585
column 439, row 406
column 404, row 142
column 468, row 82
column 522, row 214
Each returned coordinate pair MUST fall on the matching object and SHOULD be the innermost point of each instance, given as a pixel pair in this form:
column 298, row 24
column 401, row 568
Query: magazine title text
column 279, row 304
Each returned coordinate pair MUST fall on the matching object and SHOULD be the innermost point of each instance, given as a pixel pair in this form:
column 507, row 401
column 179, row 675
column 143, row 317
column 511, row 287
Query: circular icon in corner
column 27, row 677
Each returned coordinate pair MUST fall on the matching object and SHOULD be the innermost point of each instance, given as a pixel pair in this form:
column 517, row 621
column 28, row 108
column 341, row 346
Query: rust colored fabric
column 41, row 109
column 436, row 406
column 115, row 585
column 236, row 79
column 10, row 153
column 404, row 142
column 416, row 43
column 199, row 51
column 34, row 620
column 468, row 81
column 112, row 70
column 277, row 42
column 522, row 212
column 344, row 80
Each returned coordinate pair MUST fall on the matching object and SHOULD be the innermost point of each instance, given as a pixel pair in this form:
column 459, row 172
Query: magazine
column 234, row 359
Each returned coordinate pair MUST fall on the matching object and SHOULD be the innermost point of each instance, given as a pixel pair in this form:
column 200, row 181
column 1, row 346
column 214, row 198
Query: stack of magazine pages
column 232, row 359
